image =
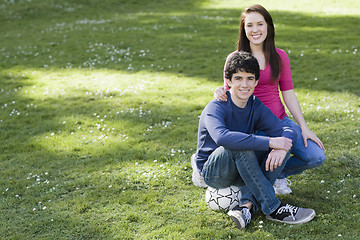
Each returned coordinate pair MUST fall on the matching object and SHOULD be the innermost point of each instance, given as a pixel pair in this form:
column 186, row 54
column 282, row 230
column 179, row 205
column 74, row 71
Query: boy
column 229, row 153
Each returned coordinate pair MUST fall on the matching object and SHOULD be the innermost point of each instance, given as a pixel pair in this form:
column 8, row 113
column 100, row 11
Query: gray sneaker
column 197, row 179
column 291, row 214
column 281, row 186
column 241, row 216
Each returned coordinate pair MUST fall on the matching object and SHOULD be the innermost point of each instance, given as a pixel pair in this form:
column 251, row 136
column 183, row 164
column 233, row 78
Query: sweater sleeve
column 271, row 125
column 222, row 136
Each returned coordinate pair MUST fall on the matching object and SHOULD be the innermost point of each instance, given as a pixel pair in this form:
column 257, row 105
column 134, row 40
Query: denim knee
column 316, row 160
column 219, row 170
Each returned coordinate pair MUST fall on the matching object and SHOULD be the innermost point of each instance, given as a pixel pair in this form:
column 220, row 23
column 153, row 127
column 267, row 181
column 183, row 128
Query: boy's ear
column 228, row 82
column 256, row 82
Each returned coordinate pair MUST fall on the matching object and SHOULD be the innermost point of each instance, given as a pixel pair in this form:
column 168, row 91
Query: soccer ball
column 223, row 199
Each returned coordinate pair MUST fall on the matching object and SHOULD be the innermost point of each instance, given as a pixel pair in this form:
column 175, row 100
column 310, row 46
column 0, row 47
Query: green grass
column 99, row 106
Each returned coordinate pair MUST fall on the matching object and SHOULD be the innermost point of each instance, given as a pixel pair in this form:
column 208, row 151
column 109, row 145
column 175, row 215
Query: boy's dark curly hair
column 244, row 62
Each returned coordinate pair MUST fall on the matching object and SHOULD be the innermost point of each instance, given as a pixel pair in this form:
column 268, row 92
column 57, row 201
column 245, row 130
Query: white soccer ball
column 223, row 199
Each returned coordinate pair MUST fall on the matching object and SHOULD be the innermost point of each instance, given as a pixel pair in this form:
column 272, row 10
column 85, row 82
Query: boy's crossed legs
column 227, row 167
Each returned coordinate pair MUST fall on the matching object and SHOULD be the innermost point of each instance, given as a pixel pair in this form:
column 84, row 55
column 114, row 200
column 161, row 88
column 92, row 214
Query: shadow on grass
column 179, row 38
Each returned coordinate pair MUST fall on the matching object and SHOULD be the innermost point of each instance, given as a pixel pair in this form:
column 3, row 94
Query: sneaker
column 291, row 214
column 281, row 186
column 241, row 216
column 197, row 179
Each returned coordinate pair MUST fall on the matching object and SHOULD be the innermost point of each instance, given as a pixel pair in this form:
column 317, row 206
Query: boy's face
column 242, row 87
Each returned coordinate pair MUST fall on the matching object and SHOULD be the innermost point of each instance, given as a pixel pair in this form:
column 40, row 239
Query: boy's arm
column 281, row 137
column 273, row 126
column 222, row 136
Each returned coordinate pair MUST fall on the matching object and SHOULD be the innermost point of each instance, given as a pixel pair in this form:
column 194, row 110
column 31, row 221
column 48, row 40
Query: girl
column 256, row 36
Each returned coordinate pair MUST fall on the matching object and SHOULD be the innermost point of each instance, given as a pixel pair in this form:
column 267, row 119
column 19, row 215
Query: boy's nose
column 244, row 83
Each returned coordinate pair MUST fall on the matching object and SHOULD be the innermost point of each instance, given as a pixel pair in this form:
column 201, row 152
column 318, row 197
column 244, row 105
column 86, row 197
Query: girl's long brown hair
column 271, row 56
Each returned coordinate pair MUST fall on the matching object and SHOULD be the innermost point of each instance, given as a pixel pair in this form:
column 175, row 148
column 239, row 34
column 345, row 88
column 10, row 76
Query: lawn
column 99, row 106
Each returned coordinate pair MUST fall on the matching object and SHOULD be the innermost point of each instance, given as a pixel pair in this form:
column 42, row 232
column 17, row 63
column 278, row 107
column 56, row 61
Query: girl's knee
column 317, row 160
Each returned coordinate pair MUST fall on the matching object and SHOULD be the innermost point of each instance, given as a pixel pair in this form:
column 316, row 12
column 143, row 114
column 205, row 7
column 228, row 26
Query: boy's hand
column 280, row 143
column 220, row 94
column 275, row 159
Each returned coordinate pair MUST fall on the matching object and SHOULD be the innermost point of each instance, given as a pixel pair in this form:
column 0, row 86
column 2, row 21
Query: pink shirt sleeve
column 285, row 78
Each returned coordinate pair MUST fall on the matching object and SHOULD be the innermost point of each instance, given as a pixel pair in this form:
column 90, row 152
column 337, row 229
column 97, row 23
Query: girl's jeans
column 302, row 157
column 246, row 169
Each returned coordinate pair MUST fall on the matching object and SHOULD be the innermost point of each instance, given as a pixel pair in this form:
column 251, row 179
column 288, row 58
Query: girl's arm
column 293, row 105
column 220, row 94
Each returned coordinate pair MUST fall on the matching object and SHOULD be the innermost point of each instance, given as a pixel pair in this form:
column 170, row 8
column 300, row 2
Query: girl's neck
column 257, row 49
column 258, row 53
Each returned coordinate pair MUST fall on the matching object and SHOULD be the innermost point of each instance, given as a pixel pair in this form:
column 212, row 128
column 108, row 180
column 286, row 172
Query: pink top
column 267, row 91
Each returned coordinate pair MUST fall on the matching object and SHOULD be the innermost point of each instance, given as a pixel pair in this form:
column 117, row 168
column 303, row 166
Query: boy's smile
column 242, row 86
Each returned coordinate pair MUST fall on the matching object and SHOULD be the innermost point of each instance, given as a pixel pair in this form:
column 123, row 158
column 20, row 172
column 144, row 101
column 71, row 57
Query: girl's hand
column 220, row 94
column 308, row 134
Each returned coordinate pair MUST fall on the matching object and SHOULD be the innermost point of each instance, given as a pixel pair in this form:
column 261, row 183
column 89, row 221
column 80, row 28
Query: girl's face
column 255, row 28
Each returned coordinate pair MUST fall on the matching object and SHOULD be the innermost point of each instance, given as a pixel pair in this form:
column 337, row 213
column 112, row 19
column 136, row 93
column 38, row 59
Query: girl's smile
column 255, row 28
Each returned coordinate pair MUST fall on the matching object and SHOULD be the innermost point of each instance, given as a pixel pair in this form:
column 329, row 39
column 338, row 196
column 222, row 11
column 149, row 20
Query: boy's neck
column 238, row 102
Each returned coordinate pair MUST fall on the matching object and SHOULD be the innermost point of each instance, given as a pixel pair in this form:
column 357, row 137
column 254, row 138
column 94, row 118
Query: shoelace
column 288, row 182
column 247, row 215
column 288, row 208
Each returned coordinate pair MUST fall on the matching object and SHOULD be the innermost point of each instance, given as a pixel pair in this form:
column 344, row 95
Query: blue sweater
column 225, row 124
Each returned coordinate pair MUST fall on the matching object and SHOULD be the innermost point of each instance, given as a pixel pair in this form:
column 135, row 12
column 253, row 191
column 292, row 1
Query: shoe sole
column 240, row 223
column 305, row 220
column 278, row 193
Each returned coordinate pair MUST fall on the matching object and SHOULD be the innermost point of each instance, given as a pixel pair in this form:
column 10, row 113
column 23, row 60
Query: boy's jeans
column 246, row 169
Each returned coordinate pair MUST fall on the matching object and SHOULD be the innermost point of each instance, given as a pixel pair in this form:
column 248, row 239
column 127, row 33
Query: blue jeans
column 302, row 157
column 246, row 169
